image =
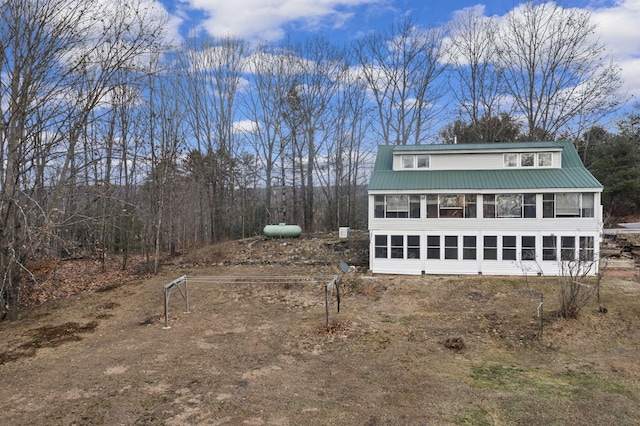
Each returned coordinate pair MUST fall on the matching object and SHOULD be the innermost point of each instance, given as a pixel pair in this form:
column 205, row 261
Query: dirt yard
column 426, row 350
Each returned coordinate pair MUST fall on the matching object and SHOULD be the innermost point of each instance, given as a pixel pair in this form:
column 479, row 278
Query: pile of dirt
column 51, row 279
column 312, row 249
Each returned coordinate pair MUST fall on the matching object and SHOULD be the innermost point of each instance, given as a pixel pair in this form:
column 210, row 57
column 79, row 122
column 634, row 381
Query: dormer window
column 545, row 159
column 528, row 159
column 415, row 161
column 511, row 160
column 422, row 161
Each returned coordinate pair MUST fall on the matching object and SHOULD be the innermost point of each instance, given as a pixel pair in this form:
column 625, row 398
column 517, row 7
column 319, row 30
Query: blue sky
column 618, row 21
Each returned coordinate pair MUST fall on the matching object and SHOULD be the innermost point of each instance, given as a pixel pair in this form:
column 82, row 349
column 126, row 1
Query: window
column 587, row 205
column 414, row 161
column 586, row 249
column 471, row 206
column 469, row 247
column 381, row 249
column 528, row 159
column 528, row 248
column 451, row 247
column 508, row 247
column 397, row 206
column 433, row 247
column 452, row 206
column 545, row 159
column 432, row 206
column 397, row 246
column 548, row 205
column 511, row 160
column 489, row 206
column 378, row 206
column 567, row 248
column 509, row 205
column 422, row 161
column 414, row 206
column 568, row 204
column 490, row 247
column 413, row 247
column 529, row 205
column 549, row 248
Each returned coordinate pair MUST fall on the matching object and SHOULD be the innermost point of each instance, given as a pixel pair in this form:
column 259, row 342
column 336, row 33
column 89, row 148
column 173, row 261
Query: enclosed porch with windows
column 489, row 253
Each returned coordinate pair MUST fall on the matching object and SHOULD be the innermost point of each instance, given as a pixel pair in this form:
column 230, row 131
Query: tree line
column 115, row 140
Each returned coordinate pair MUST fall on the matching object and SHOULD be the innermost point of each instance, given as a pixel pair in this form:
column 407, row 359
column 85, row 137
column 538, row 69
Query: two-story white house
column 495, row 209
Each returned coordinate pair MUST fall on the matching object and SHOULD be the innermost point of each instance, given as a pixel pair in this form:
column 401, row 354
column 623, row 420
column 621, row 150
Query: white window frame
column 426, row 159
column 529, row 158
column 542, row 156
column 510, row 160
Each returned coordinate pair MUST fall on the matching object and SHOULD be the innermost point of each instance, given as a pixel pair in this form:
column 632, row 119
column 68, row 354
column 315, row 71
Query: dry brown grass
column 403, row 351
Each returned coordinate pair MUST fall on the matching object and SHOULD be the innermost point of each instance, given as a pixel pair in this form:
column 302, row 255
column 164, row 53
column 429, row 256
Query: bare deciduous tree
column 577, row 286
column 555, row 70
column 476, row 79
column 212, row 71
column 58, row 61
column 318, row 69
column 166, row 140
column 272, row 77
column 345, row 150
column 402, row 69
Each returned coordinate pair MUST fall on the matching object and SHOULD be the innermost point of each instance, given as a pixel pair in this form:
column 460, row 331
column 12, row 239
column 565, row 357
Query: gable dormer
column 495, row 156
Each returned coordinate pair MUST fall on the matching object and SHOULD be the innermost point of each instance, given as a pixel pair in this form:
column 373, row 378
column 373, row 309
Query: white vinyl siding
column 476, row 161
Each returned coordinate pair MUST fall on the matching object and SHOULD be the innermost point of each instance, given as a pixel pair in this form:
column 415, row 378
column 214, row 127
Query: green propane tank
column 282, row 231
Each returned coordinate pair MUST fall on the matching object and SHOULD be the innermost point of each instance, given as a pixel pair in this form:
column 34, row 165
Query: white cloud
column 631, row 77
column 618, row 27
column 266, row 20
column 245, row 126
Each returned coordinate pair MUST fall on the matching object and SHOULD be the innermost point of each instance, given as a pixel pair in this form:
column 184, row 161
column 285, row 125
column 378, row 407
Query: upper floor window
column 511, row 160
column 452, row 205
column 397, row 206
column 545, row 159
column 420, row 161
column 568, row 204
column 528, row 159
column 509, row 205
column 407, row 161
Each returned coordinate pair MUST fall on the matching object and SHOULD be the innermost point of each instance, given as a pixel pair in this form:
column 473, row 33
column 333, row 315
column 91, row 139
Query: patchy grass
column 435, row 350
column 530, row 393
